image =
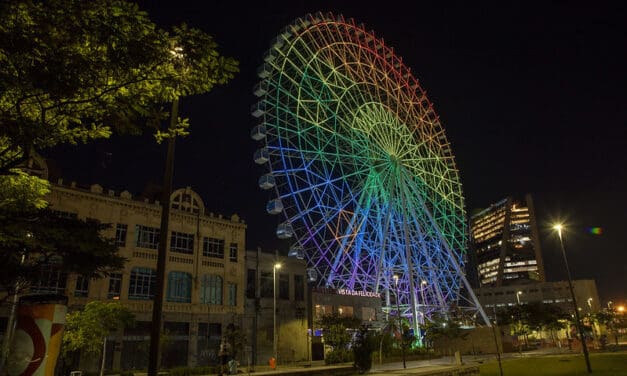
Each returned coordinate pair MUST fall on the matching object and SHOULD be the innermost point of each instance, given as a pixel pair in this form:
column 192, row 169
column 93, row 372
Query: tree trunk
column 104, row 356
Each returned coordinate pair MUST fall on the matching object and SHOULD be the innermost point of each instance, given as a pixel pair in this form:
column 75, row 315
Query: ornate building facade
column 204, row 277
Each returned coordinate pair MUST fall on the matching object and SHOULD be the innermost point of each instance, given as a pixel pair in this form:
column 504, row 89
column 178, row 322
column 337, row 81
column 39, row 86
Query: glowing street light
column 558, row 228
column 518, row 294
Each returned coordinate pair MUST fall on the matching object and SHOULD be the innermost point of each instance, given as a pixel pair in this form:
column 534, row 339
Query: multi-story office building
column 204, row 273
column 505, row 243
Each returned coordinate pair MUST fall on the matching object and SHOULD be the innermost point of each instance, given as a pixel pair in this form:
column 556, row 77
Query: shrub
column 338, row 356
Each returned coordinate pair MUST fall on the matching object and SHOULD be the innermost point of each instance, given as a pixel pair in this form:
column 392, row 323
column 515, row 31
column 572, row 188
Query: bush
column 338, row 356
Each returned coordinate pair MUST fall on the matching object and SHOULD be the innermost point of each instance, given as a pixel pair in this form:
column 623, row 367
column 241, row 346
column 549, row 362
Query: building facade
column 204, row 273
column 299, row 307
column 558, row 293
column 506, row 245
column 288, row 284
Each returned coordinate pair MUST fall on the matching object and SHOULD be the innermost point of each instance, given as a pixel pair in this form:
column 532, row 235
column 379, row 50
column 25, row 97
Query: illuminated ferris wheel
column 362, row 171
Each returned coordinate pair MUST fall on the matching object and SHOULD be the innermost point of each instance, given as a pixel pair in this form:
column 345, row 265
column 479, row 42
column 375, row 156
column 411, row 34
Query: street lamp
column 400, row 324
column 558, row 228
column 274, row 332
column 518, row 294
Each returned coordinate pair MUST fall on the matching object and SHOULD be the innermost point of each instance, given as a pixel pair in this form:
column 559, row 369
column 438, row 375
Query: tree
column 87, row 330
column 608, row 318
column 73, row 71
column 334, row 328
column 442, row 328
column 363, row 346
column 236, row 339
column 36, row 240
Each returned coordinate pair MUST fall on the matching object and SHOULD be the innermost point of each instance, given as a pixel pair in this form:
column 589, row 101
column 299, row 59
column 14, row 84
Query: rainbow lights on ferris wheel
column 359, row 166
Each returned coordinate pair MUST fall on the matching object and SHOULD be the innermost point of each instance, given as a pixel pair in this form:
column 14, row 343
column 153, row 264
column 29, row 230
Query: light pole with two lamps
column 558, row 228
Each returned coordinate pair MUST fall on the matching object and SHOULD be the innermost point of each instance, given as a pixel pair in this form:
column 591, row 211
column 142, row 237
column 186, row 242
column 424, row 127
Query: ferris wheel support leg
column 410, row 270
column 456, row 265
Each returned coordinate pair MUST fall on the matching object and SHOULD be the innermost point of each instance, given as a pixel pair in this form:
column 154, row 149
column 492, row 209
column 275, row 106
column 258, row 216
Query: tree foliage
column 85, row 330
column 72, row 71
column 33, row 240
column 335, row 327
column 441, row 327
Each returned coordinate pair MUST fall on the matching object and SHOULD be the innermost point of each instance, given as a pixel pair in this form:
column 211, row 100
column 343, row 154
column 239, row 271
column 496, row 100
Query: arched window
column 187, row 200
column 211, row 289
column 179, row 287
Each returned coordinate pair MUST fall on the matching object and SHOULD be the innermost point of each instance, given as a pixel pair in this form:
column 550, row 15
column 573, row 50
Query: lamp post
column 558, row 228
column 400, row 324
column 168, row 175
column 274, row 332
column 518, row 294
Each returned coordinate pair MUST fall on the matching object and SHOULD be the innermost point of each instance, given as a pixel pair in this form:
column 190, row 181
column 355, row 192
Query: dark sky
column 532, row 97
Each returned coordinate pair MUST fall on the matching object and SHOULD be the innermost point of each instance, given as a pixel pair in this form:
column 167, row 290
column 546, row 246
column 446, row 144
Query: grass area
column 607, row 364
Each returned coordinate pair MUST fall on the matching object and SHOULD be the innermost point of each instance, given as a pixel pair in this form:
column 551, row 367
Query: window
column 182, row 243
column 179, row 287
column 212, row 247
column 233, row 252
column 115, row 286
column 251, row 283
column 267, row 290
column 211, row 289
column 284, row 286
column 82, row 286
column 232, row 294
column 146, row 237
column 368, row 314
column 345, row 311
column 142, row 284
column 50, row 280
column 120, row 234
column 299, row 287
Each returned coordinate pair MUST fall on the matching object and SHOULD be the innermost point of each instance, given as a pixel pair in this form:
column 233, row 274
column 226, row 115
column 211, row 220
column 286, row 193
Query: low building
column 298, row 338
column 269, row 276
column 558, row 293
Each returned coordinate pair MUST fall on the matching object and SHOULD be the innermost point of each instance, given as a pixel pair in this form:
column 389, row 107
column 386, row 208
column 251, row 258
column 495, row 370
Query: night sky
column 532, row 97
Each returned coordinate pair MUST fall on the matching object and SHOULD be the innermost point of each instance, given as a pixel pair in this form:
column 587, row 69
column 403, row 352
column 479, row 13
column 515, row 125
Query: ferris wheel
column 359, row 166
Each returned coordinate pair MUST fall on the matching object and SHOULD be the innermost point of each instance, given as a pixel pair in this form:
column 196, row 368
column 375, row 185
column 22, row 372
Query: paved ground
column 414, row 367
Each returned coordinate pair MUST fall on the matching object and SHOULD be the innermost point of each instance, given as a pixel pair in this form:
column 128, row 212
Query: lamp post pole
column 274, row 332
column 572, row 295
column 400, row 323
